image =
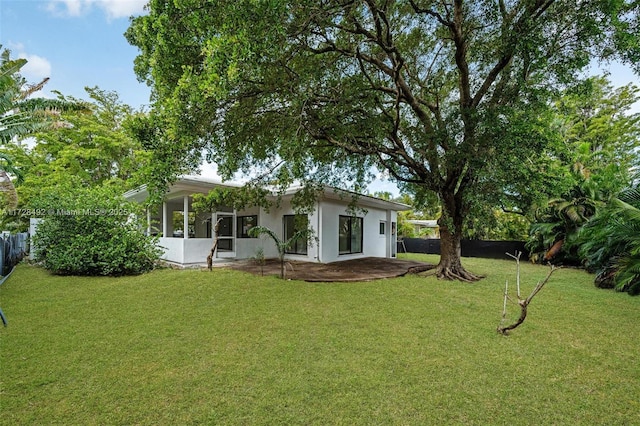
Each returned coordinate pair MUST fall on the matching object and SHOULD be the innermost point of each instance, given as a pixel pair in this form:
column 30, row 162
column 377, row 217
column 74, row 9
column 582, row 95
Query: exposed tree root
column 453, row 274
column 422, row 270
column 460, row 276
column 456, row 274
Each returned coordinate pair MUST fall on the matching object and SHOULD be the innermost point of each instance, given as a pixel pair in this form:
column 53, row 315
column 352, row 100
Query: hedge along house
column 187, row 236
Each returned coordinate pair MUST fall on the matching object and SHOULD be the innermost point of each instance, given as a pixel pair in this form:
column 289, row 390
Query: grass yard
column 193, row 347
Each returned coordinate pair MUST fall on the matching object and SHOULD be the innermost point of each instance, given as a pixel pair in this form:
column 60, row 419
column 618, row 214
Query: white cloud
column 122, row 8
column 68, row 7
column 15, row 47
column 209, row 171
column 114, row 9
column 36, row 67
column 35, row 70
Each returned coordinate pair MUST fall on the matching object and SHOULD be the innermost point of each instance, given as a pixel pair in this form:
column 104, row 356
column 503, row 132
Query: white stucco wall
column 273, row 219
column 186, row 251
column 323, row 221
column 33, row 226
column 247, row 248
column 196, row 250
column 173, row 249
column 373, row 244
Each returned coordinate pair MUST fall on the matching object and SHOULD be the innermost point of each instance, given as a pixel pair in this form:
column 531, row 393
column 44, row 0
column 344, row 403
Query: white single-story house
column 430, row 227
column 339, row 234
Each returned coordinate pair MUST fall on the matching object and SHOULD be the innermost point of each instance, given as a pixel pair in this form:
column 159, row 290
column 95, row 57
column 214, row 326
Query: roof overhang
column 186, row 185
column 332, row 193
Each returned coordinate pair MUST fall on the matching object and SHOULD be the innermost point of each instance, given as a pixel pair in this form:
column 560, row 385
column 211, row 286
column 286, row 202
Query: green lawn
column 224, row 347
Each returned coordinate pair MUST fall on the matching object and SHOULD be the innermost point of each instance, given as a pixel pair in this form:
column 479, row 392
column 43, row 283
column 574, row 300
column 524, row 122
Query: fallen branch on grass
column 523, row 303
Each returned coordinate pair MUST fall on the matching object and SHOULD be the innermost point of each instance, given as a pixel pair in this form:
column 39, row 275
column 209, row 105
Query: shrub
column 610, row 244
column 91, row 232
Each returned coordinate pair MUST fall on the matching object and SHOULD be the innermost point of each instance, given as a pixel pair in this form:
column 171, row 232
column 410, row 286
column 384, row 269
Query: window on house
column 350, row 235
column 245, row 223
column 383, row 227
column 178, row 224
column 293, row 224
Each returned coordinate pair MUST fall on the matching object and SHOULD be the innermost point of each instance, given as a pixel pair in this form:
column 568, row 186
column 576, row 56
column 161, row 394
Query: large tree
column 21, row 114
column 602, row 133
column 448, row 97
column 93, row 147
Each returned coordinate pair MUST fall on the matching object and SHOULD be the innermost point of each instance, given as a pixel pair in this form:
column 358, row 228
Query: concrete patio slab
column 365, row 269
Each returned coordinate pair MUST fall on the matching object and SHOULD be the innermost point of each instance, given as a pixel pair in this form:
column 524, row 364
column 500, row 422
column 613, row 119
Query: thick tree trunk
column 450, row 223
column 212, row 252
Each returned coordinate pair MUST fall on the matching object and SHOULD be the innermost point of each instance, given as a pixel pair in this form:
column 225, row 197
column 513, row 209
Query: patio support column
column 319, row 231
column 165, row 223
column 148, row 221
column 185, row 225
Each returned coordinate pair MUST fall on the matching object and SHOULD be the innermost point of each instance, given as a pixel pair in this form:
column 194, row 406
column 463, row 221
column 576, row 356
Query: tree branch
column 430, row 12
column 523, row 303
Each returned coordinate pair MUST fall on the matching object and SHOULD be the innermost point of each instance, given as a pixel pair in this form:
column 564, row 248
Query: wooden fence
column 470, row 248
column 12, row 249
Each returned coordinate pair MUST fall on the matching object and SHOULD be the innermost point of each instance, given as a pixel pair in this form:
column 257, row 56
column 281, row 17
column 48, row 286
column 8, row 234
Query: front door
column 226, row 235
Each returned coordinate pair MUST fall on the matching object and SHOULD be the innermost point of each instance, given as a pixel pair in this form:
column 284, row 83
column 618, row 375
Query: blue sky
column 80, row 43
column 77, row 43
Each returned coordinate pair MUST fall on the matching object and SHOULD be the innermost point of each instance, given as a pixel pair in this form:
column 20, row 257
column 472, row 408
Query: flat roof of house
column 189, row 184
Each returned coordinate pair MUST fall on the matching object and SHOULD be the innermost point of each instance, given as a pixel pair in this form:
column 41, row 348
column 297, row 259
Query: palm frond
column 625, row 210
column 33, row 88
column 256, row 231
column 631, row 196
column 9, row 67
column 628, row 276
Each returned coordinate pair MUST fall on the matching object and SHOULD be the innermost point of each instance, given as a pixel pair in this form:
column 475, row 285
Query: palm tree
column 554, row 231
column 281, row 245
column 610, row 243
column 21, row 115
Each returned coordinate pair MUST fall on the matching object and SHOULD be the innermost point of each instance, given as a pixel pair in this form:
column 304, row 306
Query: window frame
column 299, row 247
column 350, row 238
column 382, row 230
column 240, row 225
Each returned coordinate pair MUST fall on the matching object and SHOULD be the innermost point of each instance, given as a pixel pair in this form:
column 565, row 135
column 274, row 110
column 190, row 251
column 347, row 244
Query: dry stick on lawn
column 523, row 303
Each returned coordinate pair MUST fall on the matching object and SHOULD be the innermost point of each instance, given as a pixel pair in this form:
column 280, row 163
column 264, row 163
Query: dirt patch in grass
column 365, row 269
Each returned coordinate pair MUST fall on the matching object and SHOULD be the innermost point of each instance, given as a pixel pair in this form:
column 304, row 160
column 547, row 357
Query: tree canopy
column 21, row 114
column 602, row 142
column 88, row 148
column 601, row 134
column 449, row 98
